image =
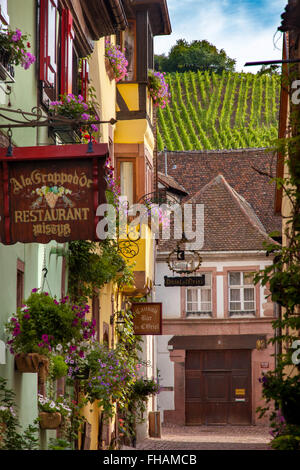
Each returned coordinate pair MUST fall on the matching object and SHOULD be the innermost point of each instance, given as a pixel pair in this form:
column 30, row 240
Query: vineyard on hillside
column 227, row 111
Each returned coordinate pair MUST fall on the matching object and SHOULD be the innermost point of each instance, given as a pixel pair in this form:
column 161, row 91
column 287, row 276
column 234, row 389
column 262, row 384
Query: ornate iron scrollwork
column 128, row 248
column 34, row 119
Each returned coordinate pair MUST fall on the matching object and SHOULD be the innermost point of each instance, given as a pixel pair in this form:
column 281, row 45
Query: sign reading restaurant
column 147, row 318
column 51, row 193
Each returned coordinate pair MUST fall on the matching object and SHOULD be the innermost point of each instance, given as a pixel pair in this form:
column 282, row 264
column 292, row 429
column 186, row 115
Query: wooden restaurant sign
column 51, row 193
column 147, row 318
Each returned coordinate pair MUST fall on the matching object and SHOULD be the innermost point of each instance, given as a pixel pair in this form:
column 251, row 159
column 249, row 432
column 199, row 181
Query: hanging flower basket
column 115, row 62
column 13, row 46
column 158, row 89
column 31, row 362
column 49, row 420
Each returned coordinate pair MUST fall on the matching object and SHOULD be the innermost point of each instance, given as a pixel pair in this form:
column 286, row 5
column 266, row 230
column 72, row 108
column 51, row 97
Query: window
column 58, row 66
column 241, row 293
column 4, row 18
column 84, row 78
column 126, row 173
column 48, row 42
column 128, row 44
column 199, row 299
column 67, row 37
column 20, row 283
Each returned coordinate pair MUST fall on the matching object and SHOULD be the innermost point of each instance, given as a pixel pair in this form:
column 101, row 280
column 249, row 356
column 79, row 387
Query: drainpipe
column 166, row 161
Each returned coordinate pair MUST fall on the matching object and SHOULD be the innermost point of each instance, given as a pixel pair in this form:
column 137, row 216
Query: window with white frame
column 241, row 293
column 199, row 299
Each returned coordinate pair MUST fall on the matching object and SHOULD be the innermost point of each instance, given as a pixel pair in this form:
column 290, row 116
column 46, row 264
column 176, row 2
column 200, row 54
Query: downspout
column 166, row 161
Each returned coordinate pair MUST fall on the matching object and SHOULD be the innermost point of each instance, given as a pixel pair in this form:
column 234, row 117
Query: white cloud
column 245, row 35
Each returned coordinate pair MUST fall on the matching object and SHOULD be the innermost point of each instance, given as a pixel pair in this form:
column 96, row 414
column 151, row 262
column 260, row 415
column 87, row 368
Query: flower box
column 7, row 71
column 31, row 362
column 66, row 134
column 109, row 69
column 49, row 420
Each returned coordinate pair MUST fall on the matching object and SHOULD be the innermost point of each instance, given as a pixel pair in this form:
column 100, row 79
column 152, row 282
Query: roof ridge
column 260, row 227
column 202, row 190
column 238, row 198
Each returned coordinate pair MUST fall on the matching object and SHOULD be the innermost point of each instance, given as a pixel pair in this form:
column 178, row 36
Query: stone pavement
column 209, row 438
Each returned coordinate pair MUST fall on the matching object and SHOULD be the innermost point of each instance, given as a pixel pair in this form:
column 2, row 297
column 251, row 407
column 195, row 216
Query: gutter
column 119, row 14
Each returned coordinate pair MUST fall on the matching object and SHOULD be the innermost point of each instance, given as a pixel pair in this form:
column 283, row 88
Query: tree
column 198, row 55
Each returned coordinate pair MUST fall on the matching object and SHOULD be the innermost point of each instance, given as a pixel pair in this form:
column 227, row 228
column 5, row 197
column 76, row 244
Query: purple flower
column 34, row 290
column 45, row 338
column 17, row 36
column 94, row 127
column 26, row 316
column 85, row 117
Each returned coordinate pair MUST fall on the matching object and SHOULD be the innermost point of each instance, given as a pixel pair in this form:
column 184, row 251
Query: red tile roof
column 230, row 223
column 194, row 169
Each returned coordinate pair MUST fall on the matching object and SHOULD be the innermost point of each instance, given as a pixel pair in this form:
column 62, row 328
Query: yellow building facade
column 132, row 146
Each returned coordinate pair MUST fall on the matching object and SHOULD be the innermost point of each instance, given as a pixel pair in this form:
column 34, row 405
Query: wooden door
column 218, row 387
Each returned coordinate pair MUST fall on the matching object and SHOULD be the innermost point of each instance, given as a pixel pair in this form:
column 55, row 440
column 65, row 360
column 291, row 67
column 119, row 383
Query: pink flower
column 34, row 290
column 17, row 36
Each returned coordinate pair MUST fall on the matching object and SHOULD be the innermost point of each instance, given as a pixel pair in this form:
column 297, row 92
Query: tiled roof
column 230, row 223
column 170, row 183
column 194, row 169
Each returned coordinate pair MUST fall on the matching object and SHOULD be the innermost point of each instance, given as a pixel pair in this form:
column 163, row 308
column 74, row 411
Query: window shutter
column 67, row 36
column 48, row 19
column 84, row 77
column 4, row 18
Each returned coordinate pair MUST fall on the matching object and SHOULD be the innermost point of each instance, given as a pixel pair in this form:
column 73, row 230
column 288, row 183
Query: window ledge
column 198, row 315
column 244, row 314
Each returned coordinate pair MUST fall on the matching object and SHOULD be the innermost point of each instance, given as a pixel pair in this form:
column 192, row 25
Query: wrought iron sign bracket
column 35, row 119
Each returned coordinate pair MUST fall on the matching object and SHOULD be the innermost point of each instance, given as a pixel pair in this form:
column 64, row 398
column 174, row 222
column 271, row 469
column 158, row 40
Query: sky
column 245, row 29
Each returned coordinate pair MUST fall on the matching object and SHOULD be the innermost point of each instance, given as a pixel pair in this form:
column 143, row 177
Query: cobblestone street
column 209, row 438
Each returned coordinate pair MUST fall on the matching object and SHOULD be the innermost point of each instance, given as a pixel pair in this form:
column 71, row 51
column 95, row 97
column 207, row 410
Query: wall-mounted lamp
column 119, row 320
column 261, row 344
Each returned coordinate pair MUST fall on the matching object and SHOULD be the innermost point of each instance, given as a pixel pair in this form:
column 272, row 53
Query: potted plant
column 51, row 412
column 116, row 62
column 158, row 88
column 72, row 108
column 43, row 326
column 13, row 48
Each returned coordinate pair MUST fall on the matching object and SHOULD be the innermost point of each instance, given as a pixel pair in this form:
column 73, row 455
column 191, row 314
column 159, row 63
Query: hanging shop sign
column 147, row 318
column 188, row 281
column 51, row 193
